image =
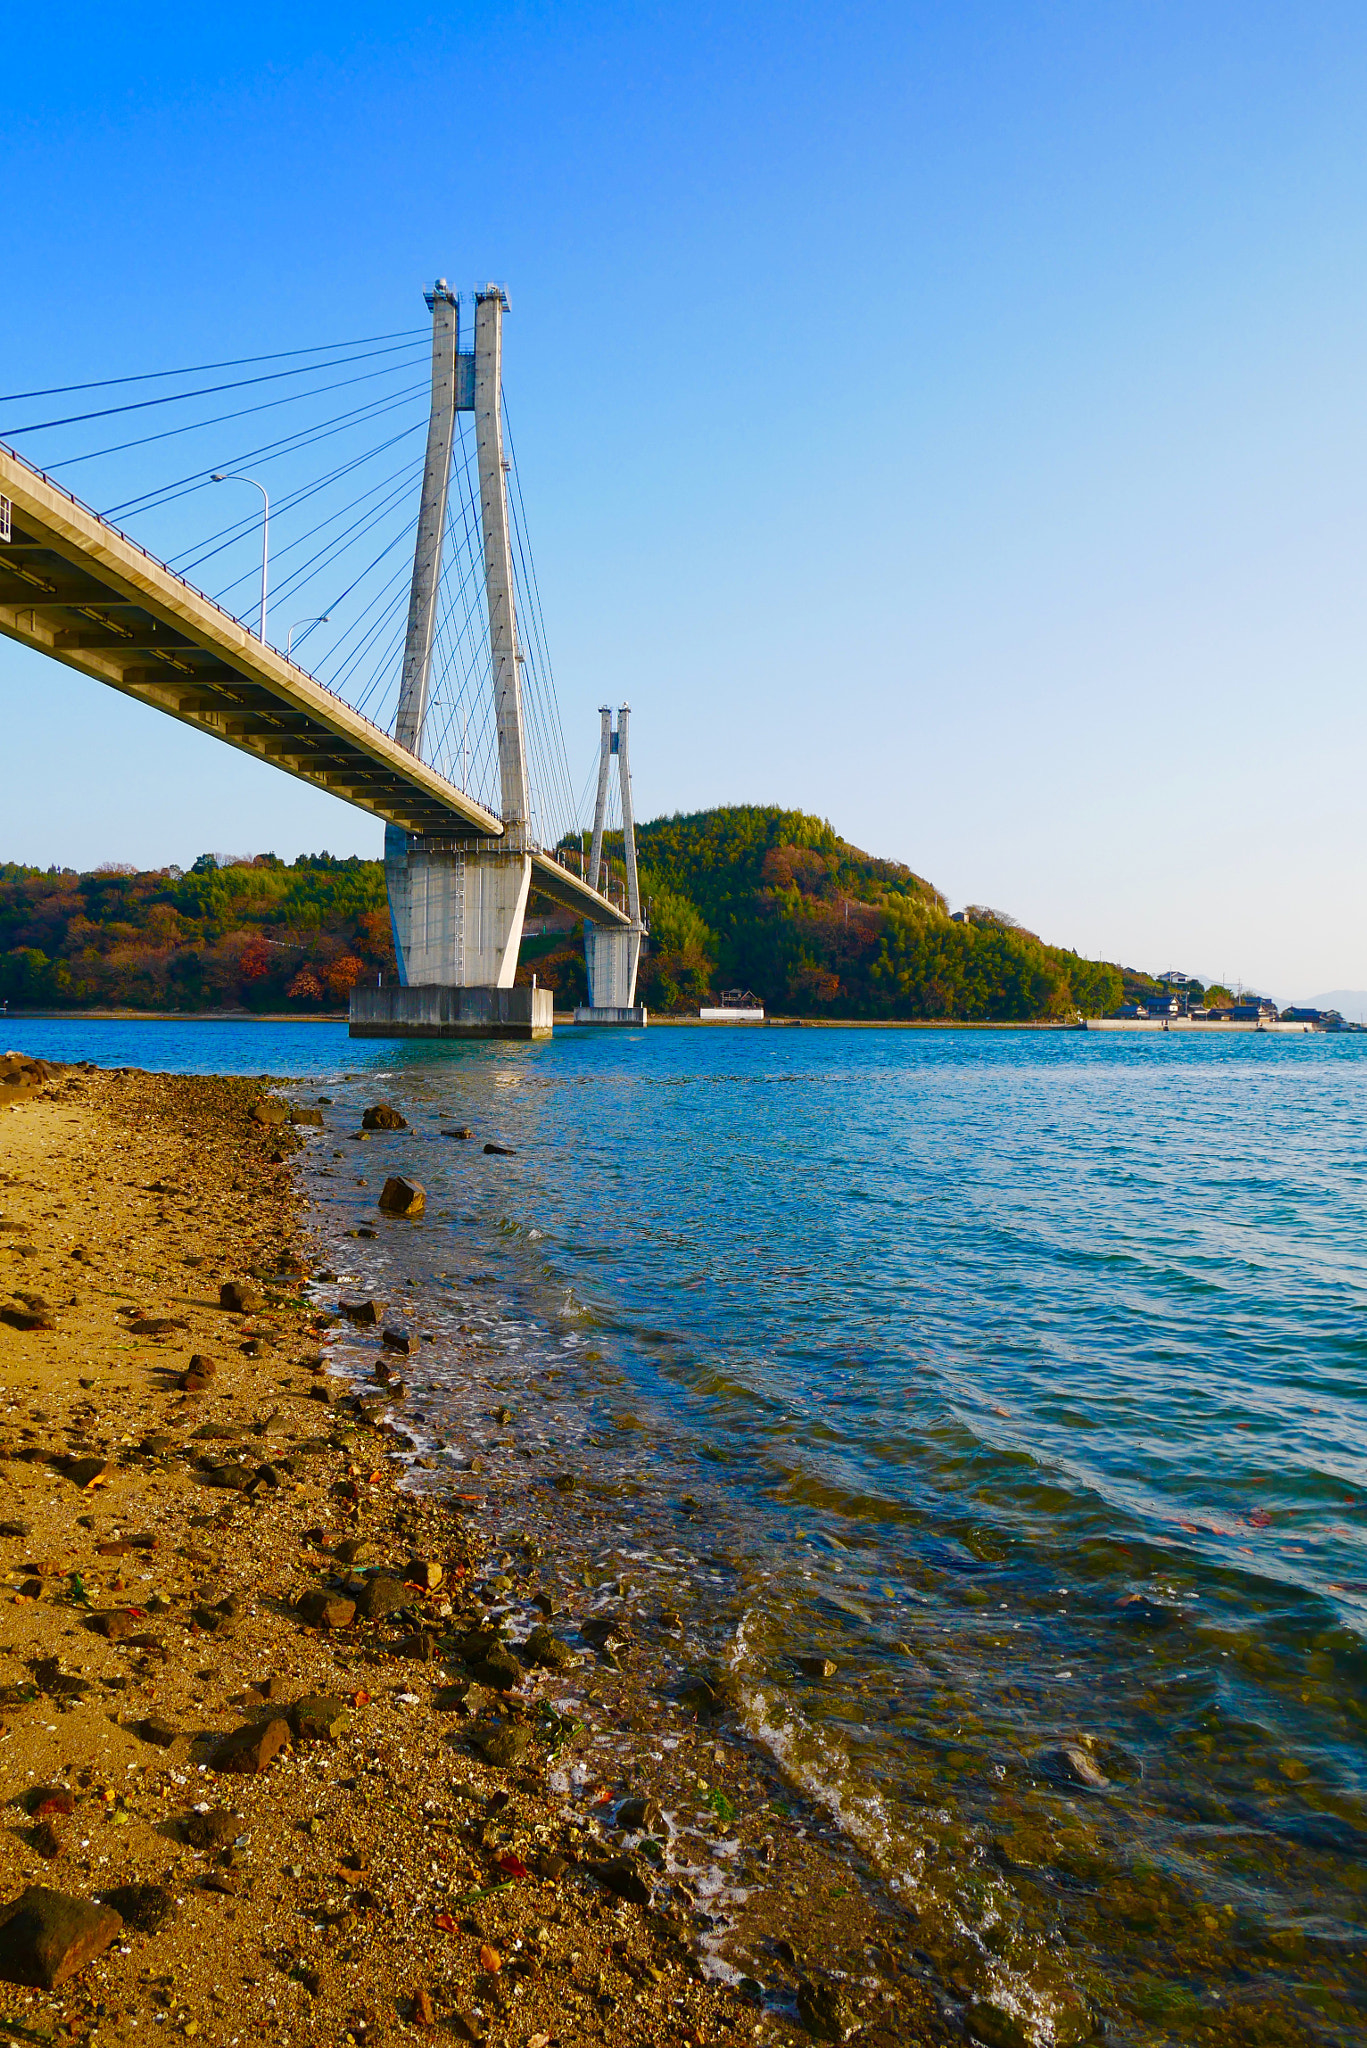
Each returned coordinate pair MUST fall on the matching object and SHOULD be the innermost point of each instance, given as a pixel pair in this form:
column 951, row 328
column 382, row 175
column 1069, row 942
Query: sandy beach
column 258, row 1698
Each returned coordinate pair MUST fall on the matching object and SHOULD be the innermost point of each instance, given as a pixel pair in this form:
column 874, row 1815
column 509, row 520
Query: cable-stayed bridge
column 430, row 701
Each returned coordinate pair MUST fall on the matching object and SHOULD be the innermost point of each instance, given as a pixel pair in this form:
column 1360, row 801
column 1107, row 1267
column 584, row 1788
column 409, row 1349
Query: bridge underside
column 76, row 589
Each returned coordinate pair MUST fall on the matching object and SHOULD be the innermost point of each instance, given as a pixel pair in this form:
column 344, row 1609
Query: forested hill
column 744, row 897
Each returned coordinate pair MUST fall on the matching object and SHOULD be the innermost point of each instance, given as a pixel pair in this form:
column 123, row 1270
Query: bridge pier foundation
column 432, row 1011
column 456, row 912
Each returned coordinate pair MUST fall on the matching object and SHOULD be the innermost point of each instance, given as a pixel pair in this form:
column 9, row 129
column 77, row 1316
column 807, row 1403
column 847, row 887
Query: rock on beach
column 47, row 1936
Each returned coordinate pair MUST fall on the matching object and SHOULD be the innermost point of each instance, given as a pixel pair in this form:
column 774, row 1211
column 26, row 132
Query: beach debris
column 48, row 1936
column 241, row 1297
column 382, row 1116
column 401, row 1197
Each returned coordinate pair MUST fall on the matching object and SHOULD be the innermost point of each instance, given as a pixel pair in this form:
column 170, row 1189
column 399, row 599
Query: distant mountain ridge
column 1350, row 1002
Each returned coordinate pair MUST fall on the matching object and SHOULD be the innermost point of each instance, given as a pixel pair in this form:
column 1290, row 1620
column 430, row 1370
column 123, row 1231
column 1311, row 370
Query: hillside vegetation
column 744, row 897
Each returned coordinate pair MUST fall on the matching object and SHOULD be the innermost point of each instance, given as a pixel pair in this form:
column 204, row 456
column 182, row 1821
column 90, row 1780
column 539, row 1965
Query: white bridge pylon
column 612, row 954
column 457, row 904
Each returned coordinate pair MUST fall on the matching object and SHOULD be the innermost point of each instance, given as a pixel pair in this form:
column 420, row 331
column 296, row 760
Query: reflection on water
column 997, row 1403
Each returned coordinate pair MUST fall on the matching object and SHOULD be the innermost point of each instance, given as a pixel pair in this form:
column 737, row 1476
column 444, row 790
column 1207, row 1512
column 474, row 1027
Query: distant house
column 1253, row 1010
column 1165, row 1006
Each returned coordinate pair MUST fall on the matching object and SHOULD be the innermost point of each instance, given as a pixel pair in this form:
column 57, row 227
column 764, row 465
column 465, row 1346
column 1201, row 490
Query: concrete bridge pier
column 456, row 910
column 457, row 907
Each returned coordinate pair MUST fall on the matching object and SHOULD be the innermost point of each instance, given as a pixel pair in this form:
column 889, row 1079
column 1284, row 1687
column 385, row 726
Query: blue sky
column 949, row 420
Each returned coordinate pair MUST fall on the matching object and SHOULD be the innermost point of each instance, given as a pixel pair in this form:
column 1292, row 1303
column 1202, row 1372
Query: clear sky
column 946, row 419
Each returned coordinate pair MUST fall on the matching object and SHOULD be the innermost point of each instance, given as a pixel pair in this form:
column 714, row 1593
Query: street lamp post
column 321, row 620
column 235, row 476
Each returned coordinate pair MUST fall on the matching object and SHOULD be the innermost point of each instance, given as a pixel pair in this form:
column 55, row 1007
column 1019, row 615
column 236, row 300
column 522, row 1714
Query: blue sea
column 1019, row 1376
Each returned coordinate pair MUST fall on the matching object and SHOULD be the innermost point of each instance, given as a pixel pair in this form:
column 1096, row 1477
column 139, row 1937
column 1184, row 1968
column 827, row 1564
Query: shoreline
column 162, row 1530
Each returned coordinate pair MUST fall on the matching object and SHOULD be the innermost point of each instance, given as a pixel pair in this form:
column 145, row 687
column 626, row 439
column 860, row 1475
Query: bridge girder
column 78, row 590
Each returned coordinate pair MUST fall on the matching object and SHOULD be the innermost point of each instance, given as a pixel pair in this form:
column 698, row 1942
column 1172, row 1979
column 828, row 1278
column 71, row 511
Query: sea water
column 1017, row 1376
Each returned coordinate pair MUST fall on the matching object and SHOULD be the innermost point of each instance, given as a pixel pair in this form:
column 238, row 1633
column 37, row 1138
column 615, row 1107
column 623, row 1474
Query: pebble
column 320, row 1717
column 241, row 1297
column 621, row 1876
column 362, row 1310
column 502, row 1746
column 382, row 1116
column 115, row 1623
column 254, row 1747
column 212, row 1830
column 146, row 1908
column 402, row 1197
column 328, row 1610
column 380, row 1596
column 548, row 1650
column 1071, row 1762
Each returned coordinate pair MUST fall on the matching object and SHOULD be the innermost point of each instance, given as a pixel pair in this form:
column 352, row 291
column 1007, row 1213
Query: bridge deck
column 74, row 587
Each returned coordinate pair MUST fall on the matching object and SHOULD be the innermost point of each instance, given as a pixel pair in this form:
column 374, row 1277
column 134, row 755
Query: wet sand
column 443, row 1837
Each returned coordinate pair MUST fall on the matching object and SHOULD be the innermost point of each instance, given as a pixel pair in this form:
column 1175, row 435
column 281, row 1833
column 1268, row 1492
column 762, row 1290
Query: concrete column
column 628, row 819
column 600, row 808
column 498, row 560
column 436, row 478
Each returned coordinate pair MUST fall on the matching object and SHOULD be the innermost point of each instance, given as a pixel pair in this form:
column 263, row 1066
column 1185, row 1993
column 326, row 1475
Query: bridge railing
column 131, row 541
